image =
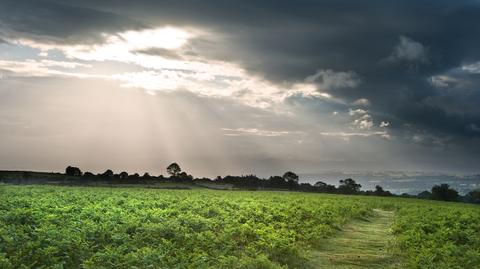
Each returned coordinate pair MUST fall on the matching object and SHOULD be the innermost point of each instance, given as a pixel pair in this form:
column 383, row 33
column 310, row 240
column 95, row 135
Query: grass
column 366, row 243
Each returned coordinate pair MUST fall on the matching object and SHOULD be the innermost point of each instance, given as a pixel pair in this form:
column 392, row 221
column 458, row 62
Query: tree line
column 289, row 181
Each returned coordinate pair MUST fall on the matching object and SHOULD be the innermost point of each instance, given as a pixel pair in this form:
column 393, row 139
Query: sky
column 240, row 87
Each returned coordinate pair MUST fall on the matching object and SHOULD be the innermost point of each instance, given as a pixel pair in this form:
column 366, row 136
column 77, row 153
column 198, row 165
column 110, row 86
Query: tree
column 473, row 197
column 123, row 175
column 276, row 182
column 425, row 195
column 349, row 186
column 135, row 176
column 73, row 171
column 184, row 177
column 443, row 192
column 324, row 187
column 173, row 169
column 88, row 174
column 146, row 176
column 107, row 174
column 406, row 195
column 379, row 191
column 290, row 177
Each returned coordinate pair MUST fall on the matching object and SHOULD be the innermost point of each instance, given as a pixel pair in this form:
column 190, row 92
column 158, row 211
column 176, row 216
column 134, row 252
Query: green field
column 93, row 227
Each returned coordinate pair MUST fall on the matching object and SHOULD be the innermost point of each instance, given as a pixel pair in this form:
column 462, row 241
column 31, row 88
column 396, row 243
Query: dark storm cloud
column 394, row 46
column 307, row 35
column 60, row 23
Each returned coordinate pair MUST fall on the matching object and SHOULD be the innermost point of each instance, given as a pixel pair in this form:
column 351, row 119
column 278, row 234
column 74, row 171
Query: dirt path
column 361, row 244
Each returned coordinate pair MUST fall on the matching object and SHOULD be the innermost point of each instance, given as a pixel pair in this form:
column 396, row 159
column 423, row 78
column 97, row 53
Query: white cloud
column 192, row 72
column 167, row 38
column 443, row 81
column 348, row 135
column 364, row 122
column 123, row 47
column 117, row 45
column 361, row 102
column 384, row 124
column 42, row 68
column 472, row 68
column 409, row 50
column 331, row 80
column 253, row 132
column 355, row 112
column 250, row 90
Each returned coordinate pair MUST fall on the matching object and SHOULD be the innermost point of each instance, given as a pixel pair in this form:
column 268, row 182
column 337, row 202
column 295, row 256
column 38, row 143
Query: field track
column 361, row 244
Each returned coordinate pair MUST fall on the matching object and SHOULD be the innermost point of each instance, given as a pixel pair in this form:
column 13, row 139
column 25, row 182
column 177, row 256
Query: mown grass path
column 361, row 244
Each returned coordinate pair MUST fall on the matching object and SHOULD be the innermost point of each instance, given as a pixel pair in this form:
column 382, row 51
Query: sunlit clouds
column 167, row 38
column 254, row 132
column 41, row 68
column 166, row 61
column 171, row 63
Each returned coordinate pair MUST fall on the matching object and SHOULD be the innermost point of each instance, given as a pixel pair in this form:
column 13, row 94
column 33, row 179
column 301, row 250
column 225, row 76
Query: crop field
column 93, row 227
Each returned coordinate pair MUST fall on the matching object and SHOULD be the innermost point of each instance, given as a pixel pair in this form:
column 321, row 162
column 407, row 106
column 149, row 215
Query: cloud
column 60, row 23
column 361, row 102
column 122, row 46
column 247, row 89
column 409, row 50
column 355, row 112
column 306, row 59
column 42, row 68
column 330, row 80
column 164, row 53
column 443, row 81
column 364, row 122
column 348, row 135
column 472, row 68
column 474, row 127
column 253, row 132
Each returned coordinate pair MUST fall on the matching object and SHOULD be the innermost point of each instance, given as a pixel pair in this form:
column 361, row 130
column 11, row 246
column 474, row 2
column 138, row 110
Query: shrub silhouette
column 349, row 186
column 173, row 169
column 73, row 171
column 443, row 192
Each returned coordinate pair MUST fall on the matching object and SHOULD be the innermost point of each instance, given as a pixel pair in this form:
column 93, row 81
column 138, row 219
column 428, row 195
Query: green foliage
column 349, row 186
column 439, row 237
column 443, row 192
column 67, row 227
column 173, row 169
column 82, row 227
